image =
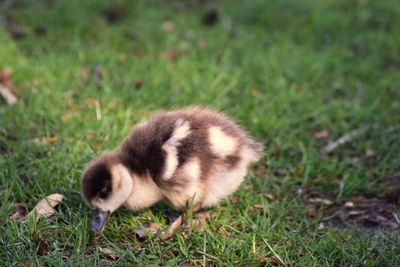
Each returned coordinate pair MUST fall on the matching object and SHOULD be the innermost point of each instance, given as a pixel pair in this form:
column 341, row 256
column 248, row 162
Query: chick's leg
column 171, row 230
column 197, row 222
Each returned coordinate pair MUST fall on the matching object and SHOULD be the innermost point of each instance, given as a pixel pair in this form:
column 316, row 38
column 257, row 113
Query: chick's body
column 191, row 155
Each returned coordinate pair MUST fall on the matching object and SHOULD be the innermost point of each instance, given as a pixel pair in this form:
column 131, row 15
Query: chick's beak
column 99, row 219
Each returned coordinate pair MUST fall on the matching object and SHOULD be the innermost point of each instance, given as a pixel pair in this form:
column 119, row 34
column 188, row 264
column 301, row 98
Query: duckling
column 192, row 155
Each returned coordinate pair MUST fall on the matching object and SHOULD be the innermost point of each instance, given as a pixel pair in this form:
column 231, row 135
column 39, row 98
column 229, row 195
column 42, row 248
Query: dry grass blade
column 275, row 254
column 9, row 97
column 348, row 137
column 108, row 253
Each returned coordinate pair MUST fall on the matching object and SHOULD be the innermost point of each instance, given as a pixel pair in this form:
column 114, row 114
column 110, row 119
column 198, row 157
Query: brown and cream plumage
column 187, row 155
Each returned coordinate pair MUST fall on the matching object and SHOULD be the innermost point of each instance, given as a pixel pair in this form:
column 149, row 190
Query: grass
column 283, row 69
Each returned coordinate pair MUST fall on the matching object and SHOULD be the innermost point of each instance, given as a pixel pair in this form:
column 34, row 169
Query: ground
column 297, row 74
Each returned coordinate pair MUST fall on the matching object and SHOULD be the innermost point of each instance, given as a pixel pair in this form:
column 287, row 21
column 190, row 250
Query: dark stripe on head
column 96, row 181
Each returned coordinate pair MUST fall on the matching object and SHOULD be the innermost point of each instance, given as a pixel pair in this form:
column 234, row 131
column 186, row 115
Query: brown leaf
column 44, row 247
column 143, row 232
column 270, row 197
column 260, row 169
column 5, row 78
column 311, row 213
column 259, row 206
column 173, row 54
column 185, row 264
column 168, row 26
column 369, row 152
column 323, row 134
column 108, row 253
column 233, row 199
column 113, row 12
column 66, row 254
column 45, row 207
column 9, row 97
column 138, row 53
column 46, row 140
column 16, row 31
column 23, row 177
column 271, row 260
column 299, row 171
column 85, row 75
column 210, row 17
column 98, row 75
column 138, row 84
column 19, row 212
column 274, row 260
column 319, row 200
column 40, row 30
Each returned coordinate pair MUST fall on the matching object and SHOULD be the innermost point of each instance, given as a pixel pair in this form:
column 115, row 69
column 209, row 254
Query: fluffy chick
column 192, row 155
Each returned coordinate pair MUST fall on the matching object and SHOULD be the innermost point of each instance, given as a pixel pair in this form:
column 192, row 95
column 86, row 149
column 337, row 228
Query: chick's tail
column 255, row 150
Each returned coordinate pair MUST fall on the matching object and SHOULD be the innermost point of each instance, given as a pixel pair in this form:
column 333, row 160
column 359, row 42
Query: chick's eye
column 102, row 194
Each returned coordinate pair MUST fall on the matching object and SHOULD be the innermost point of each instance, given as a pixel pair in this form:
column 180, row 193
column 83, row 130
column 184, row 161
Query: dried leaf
column 45, row 207
column 18, row 213
column 173, row 54
column 210, row 17
column 9, row 97
column 319, row 200
column 113, row 13
column 23, row 177
column 274, row 260
column 311, row 213
column 66, row 254
column 143, row 232
column 323, row 134
column 260, row 169
column 46, row 140
column 85, row 75
column 233, row 199
column 44, row 247
column 299, row 171
column 168, row 26
column 16, row 31
column 369, row 152
column 270, row 197
column 108, row 253
column 271, row 260
column 5, row 78
column 259, row 206
column 40, row 30
column 98, row 75
column 185, row 264
column 138, row 84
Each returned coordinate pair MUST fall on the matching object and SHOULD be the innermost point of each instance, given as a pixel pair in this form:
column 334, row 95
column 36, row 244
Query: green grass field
column 296, row 74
